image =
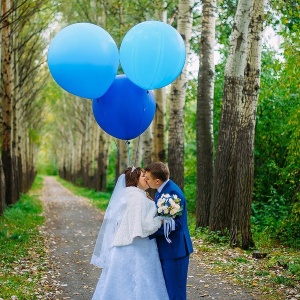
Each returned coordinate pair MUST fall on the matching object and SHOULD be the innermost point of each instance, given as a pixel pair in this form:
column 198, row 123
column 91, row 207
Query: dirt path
column 71, row 229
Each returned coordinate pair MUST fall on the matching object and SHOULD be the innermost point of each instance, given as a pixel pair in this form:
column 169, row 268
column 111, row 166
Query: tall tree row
column 81, row 145
column 21, row 61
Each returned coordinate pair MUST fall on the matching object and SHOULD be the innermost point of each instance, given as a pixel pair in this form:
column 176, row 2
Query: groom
column 174, row 256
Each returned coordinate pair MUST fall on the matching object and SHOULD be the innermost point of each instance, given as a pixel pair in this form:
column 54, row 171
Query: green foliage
column 46, row 166
column 190, row 149
column 277, row 152
column 21, row 247
column 226, row 12
column 214, row 237
column 111, row 177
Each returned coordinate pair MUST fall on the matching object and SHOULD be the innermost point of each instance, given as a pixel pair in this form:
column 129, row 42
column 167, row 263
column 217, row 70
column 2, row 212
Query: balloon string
column 127, row 143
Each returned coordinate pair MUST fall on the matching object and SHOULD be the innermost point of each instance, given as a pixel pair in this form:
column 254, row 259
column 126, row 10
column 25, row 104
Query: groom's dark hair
column 158, row 170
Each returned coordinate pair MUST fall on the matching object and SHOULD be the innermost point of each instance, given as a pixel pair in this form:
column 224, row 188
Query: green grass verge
column 99, row 199
column 22, row 254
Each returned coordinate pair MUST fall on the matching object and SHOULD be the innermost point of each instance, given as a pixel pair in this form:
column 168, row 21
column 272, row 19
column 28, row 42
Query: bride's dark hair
column 132, row 178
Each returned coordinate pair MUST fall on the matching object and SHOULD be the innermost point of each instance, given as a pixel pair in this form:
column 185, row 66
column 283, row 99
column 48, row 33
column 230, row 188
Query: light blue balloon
column 83, row 59
column 152, row 54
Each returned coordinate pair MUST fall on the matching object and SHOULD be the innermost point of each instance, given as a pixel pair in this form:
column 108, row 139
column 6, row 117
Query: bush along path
column 71, row 228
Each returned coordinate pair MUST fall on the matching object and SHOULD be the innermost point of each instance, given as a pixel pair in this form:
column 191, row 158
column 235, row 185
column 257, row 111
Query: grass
column 22, row 254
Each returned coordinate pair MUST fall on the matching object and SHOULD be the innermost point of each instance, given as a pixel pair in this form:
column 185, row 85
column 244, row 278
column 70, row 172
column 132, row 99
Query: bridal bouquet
column 169, row 206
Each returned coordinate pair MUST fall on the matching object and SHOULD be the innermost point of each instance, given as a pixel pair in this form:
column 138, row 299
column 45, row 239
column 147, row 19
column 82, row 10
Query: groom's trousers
column 175, row 274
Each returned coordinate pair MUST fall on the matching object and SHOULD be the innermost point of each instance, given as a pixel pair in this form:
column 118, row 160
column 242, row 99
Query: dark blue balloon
column 125, row 111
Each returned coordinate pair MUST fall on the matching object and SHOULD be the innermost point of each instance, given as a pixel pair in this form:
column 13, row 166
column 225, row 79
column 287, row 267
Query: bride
column 129, row 260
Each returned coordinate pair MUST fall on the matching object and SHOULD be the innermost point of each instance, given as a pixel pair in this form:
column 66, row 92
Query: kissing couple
column 144, row 245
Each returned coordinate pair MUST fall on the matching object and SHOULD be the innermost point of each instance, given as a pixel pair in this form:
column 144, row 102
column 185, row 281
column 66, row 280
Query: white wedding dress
column 132, row 270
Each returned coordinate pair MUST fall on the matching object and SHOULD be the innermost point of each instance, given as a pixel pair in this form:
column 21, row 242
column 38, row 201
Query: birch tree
column 240, row 225
column 147, row 141
column 177, row 99
column 205, row 142
column 2, row 189
column 159, row 151
column 225, row 166
column 159, row 122
column 7, row 97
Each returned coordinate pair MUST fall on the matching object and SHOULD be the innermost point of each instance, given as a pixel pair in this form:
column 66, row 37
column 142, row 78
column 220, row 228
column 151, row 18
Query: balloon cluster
column 83, row 59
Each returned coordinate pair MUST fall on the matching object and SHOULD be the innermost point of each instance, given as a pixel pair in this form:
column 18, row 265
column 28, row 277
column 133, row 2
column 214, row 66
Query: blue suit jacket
column 181, row 241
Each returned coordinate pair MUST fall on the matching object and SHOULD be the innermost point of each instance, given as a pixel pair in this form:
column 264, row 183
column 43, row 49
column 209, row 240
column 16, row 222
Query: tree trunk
column 7, row 100
column 159, row 126
column 87, row 147
column 2, row 189
column 225, row 167
column 205, row 139
column 240, row 230
column 147, row 142
column 103, row 155
column 24, row 157
column 123, row 156
column 16, row 119
column 136, row 151
column 177, row 99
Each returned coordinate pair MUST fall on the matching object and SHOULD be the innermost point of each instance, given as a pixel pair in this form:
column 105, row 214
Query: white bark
column 240, row 227
column 177, row 99
column 159, row 122
column 236, row 61
column 159, row 152
column 225, row 166
column 147, row 138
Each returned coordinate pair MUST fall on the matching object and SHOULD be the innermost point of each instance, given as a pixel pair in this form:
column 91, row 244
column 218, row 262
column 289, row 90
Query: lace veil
column 112, row 219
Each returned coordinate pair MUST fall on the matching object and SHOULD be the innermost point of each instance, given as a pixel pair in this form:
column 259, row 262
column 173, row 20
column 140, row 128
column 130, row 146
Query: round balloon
column 83, row 59
column 152, row 54
column 125, row 111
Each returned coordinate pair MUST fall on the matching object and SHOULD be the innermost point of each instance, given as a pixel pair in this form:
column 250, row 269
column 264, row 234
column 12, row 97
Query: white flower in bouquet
column 160, row 203
column 173, row 211
column 169, row 206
